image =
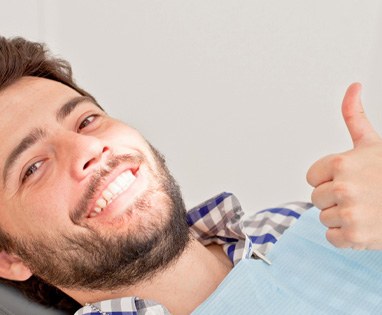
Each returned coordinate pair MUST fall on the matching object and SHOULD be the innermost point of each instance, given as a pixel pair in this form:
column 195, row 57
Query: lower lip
column 123, row 201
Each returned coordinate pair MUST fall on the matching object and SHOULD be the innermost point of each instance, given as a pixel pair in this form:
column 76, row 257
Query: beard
column 97, row 260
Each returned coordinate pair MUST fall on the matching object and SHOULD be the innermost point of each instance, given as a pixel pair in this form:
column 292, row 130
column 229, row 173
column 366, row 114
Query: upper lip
column 105, row 183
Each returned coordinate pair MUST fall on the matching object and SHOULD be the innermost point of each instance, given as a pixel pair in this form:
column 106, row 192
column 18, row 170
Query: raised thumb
column 360, row 128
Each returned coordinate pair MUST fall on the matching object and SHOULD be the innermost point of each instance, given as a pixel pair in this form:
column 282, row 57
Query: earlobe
column 13, row 268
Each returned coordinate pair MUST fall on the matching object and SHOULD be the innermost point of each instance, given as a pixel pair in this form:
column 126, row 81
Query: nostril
column 87, row 164
column 94, row 160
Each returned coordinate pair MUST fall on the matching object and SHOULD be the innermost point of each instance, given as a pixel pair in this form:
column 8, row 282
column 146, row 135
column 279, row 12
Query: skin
column 348, row 186
column 63, row 164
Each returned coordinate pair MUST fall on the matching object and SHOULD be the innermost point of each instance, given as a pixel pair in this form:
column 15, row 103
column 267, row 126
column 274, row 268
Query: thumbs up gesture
column 348, row 186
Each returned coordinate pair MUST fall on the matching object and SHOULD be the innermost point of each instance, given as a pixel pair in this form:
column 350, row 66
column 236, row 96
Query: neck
column 191, row 279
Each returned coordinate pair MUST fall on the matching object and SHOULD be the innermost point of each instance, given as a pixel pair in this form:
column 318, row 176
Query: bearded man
column 89, row 209
column 90, row 216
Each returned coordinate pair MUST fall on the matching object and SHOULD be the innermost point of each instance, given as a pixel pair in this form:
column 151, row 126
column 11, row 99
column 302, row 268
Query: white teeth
column 114, row 188
column 101, row 203
column 128, row 176
column 120, row 181
column 125, row 176
column 107, row 195
column 97, row 209
column 120, row 184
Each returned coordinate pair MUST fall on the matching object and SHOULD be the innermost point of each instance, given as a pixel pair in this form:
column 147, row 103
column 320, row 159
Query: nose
column 84, row 154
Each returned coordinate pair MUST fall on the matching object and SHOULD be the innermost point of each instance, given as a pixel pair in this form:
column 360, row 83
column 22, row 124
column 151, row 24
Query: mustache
column 98, row 179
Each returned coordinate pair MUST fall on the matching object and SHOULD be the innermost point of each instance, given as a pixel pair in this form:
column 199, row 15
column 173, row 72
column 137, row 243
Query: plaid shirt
column 219, row 220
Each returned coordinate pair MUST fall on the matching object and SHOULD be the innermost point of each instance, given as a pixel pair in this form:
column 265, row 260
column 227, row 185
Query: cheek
column 122, row 137
column 45, row 210
column 42, row 210
column 25, row 219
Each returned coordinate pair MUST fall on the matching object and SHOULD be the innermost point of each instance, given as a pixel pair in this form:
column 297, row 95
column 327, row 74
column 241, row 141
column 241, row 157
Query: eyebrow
column 38, row 134
column 70, row 105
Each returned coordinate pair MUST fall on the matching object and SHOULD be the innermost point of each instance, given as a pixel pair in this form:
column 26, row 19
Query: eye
column 87, row 121
column 31, row 170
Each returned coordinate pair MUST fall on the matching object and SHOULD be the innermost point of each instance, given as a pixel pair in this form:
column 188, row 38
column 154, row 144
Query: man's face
column 80, row 189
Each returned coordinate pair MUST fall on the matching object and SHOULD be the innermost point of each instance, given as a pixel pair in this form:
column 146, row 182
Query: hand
column 348, row 186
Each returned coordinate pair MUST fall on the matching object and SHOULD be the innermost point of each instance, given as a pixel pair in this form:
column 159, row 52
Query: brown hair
column 19, row 58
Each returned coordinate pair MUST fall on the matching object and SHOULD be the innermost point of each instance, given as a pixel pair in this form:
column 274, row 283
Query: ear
column 13, row 268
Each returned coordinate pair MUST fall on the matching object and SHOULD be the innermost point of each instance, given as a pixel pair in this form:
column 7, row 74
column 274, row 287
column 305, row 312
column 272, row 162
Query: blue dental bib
column 307, row 276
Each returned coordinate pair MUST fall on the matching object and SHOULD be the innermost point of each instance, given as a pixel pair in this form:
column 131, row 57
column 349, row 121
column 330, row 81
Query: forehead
column 30, row 101
column 31, row 95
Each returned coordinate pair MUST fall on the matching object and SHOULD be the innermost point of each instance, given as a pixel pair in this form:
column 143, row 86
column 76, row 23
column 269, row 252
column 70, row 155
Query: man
column 88, row 207
column 90, row 211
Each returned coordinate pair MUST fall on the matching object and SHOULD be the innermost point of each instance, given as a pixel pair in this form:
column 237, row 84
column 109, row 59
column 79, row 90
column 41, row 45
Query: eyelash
column 35, row 166
column 31, row 170
column 93, row 117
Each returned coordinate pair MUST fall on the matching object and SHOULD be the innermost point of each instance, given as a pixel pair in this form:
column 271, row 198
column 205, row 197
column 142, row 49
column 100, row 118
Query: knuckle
column 341, row 190
column 349, row 217
column 355, row 237
column 339, row 163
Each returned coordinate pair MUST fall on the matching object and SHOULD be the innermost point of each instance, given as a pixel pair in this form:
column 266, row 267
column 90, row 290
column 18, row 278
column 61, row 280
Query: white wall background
column 241, row 96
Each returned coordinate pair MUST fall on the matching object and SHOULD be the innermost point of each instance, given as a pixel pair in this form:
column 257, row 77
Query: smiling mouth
column 121, row 183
